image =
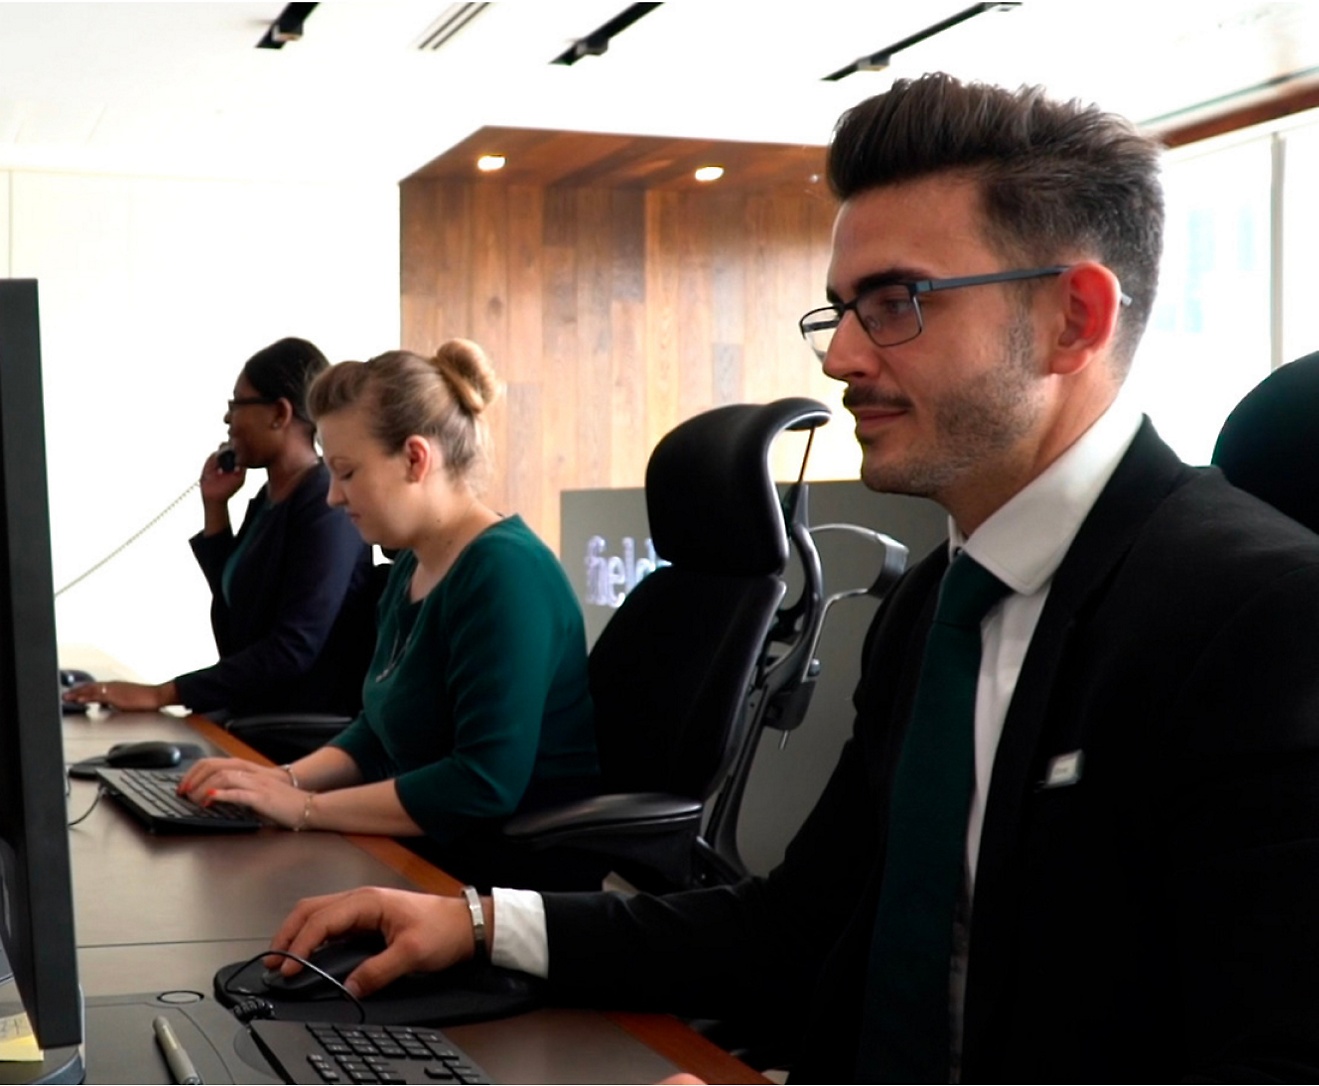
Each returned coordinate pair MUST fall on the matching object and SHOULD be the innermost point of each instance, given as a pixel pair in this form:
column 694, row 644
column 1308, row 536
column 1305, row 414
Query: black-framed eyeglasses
column 890, row 313
column 248, row 401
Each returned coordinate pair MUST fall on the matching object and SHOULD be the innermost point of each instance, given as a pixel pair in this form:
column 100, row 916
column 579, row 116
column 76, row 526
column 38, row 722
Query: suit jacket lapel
column 1145, row 476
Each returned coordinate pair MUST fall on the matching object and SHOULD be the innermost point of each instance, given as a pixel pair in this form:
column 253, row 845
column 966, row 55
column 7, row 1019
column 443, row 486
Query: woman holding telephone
column 476, row 702
column 291, row 602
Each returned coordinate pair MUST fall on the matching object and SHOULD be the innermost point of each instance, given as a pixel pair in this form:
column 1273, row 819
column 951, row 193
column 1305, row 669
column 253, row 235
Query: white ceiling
column 179, row 88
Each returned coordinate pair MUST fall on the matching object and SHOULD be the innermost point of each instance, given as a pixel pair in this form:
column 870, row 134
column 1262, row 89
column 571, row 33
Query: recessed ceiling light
column 709, row 173
column 489, row 163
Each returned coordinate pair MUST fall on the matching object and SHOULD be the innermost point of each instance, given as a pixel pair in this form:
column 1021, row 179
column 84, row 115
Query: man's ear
column 1092, row 300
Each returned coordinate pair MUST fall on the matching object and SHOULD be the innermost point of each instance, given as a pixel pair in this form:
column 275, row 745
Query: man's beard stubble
column 983, row 417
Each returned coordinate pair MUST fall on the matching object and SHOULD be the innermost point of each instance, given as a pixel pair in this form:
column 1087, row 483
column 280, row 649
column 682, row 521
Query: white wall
column 153, row 293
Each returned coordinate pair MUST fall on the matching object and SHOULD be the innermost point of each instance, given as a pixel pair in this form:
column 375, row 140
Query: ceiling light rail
column 596, row 43
column 881, row 59
column 455, row 17
column 288, row 27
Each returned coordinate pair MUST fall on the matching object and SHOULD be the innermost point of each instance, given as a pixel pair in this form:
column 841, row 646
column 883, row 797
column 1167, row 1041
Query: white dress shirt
column 1022, row 543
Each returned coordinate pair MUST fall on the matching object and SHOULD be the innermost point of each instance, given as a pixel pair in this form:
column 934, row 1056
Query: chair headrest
column 1269, row 444
column 711, row 500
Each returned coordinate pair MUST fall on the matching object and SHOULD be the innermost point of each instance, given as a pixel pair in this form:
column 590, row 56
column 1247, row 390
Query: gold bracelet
column 303, row 822
column 293, row 777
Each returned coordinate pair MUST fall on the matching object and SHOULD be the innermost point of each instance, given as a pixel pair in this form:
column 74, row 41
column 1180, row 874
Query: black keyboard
column 152, row 796
column 311, row 1052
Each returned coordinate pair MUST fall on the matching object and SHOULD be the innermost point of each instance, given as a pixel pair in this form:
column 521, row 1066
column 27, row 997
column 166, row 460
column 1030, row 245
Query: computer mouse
column 338, row 958
column 72, row 676
column 85, row 770
column 69, row 678
column 146, row 754
column 473, row 991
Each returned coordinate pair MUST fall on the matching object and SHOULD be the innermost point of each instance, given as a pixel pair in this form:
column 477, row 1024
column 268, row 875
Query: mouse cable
column 130, row 540
column 361, row 1010
column 100, row 791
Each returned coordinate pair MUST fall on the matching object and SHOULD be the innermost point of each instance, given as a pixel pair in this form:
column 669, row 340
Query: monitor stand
column 119, row 1043
column 59, row 1064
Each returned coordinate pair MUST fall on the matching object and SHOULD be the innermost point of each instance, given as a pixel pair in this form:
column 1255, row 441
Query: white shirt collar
column 1024, row 541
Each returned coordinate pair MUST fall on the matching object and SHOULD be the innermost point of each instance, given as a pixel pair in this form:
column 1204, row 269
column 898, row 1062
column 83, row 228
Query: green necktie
column 905, row 1032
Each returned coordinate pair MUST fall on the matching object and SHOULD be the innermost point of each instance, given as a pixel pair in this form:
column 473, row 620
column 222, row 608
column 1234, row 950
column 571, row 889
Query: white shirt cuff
column 521, row 941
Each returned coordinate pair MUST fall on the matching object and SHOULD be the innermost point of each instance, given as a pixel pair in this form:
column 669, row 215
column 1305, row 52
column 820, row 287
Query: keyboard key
column 397, row 1055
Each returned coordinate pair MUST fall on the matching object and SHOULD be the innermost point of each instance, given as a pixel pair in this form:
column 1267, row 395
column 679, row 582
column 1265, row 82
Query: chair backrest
column 1269, row 444
column 672, row 671
column 287, row 736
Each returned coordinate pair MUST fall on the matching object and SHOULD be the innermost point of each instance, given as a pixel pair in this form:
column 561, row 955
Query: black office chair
column 1269, row 444
column 688, row 664
column 781, row 700
column 286, row 737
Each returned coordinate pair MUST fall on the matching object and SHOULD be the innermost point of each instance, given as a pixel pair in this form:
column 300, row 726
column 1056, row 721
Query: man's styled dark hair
column 1055, row 177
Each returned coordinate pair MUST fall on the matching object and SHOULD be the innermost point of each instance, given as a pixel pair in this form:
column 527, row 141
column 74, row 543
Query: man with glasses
column 1110, row 870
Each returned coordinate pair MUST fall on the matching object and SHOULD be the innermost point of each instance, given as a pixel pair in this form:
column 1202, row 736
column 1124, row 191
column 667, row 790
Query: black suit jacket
column 299, row 628
column 1157, row 920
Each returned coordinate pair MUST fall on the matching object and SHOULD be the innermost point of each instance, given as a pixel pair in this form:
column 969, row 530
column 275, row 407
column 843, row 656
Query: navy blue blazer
column 298, row 631
column 1156, row 920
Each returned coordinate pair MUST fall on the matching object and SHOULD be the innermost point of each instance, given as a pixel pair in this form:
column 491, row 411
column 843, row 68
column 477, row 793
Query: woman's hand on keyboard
column 264, row 789
column 423, row 932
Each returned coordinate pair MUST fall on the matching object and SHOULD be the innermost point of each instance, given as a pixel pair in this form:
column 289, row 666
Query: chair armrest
column 647, row 837
column 286, row 737
column 626, row 814
column 292, row 721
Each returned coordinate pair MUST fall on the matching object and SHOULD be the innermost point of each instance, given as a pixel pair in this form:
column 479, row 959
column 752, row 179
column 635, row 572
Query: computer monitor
column 36, row 899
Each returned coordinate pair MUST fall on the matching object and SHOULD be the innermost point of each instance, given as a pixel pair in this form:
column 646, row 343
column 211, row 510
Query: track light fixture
column 596, row 43
column 288, row 27
column 882, row 58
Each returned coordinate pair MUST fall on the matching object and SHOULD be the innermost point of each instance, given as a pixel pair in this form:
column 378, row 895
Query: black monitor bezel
column 36, row 900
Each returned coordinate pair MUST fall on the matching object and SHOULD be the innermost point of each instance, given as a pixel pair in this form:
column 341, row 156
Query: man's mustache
column 866, row 396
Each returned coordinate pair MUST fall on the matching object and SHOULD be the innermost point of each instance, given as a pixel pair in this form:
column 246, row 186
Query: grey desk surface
column 163, row 913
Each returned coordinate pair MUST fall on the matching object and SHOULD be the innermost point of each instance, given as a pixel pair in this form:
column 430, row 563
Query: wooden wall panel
column 728, row 301
column 487, row 323
column 559, row 374
column 695, row 297
column 487, row 271
column 612, row 314
column 663, row 317
column 593, row 312
column 521, row 360
column 629, row 448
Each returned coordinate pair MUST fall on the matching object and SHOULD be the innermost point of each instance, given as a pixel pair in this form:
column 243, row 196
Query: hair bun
column 464, row 365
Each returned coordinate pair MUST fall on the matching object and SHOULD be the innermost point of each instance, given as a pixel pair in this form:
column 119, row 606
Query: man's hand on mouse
column 423, row 932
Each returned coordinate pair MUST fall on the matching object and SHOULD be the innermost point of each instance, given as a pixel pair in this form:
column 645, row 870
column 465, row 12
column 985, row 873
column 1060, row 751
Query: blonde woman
column 475, row 705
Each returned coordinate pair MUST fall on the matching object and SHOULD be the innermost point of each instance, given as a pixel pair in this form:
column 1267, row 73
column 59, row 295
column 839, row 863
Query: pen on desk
column 180, row 1066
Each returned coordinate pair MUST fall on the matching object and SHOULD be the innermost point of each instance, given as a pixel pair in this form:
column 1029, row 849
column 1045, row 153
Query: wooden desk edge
column 663, row 1034
column 684, row 1047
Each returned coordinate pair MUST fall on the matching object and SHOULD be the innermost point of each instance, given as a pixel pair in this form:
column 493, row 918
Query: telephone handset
column 227, row 460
